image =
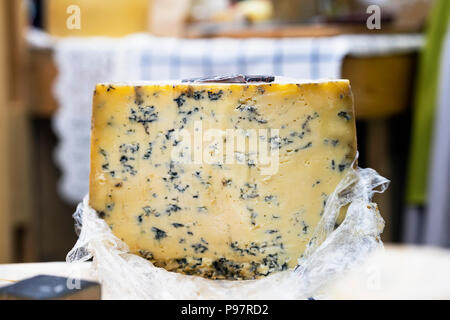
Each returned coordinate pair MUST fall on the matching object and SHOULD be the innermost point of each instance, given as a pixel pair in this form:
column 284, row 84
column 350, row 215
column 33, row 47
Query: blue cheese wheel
column 187, row 211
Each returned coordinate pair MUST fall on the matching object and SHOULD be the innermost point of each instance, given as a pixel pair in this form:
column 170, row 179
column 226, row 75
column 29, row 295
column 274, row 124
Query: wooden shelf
column 207, row 30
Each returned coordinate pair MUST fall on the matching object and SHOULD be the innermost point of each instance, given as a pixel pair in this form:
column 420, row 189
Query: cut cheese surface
column 188, row 211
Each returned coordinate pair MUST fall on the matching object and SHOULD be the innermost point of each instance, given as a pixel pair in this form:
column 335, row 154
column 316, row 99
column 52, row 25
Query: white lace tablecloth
column 83, row 62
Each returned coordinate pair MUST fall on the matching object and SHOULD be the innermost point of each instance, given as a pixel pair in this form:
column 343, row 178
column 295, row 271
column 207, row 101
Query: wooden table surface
column 287, row 30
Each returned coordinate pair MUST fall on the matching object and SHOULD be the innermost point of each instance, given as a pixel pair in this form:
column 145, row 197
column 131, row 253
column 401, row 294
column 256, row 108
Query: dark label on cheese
column 239, row 78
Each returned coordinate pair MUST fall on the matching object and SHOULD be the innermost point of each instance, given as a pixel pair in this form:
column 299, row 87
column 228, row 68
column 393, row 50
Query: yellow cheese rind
column 228, row 221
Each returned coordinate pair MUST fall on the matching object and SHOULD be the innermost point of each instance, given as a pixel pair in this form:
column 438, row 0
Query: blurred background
column 52, row 52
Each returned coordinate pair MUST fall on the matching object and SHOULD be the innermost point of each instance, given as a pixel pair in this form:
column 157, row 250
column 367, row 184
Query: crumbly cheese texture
column 220, row 221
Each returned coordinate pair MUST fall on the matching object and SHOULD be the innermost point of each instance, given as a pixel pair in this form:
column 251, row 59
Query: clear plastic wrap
column 330, row 253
